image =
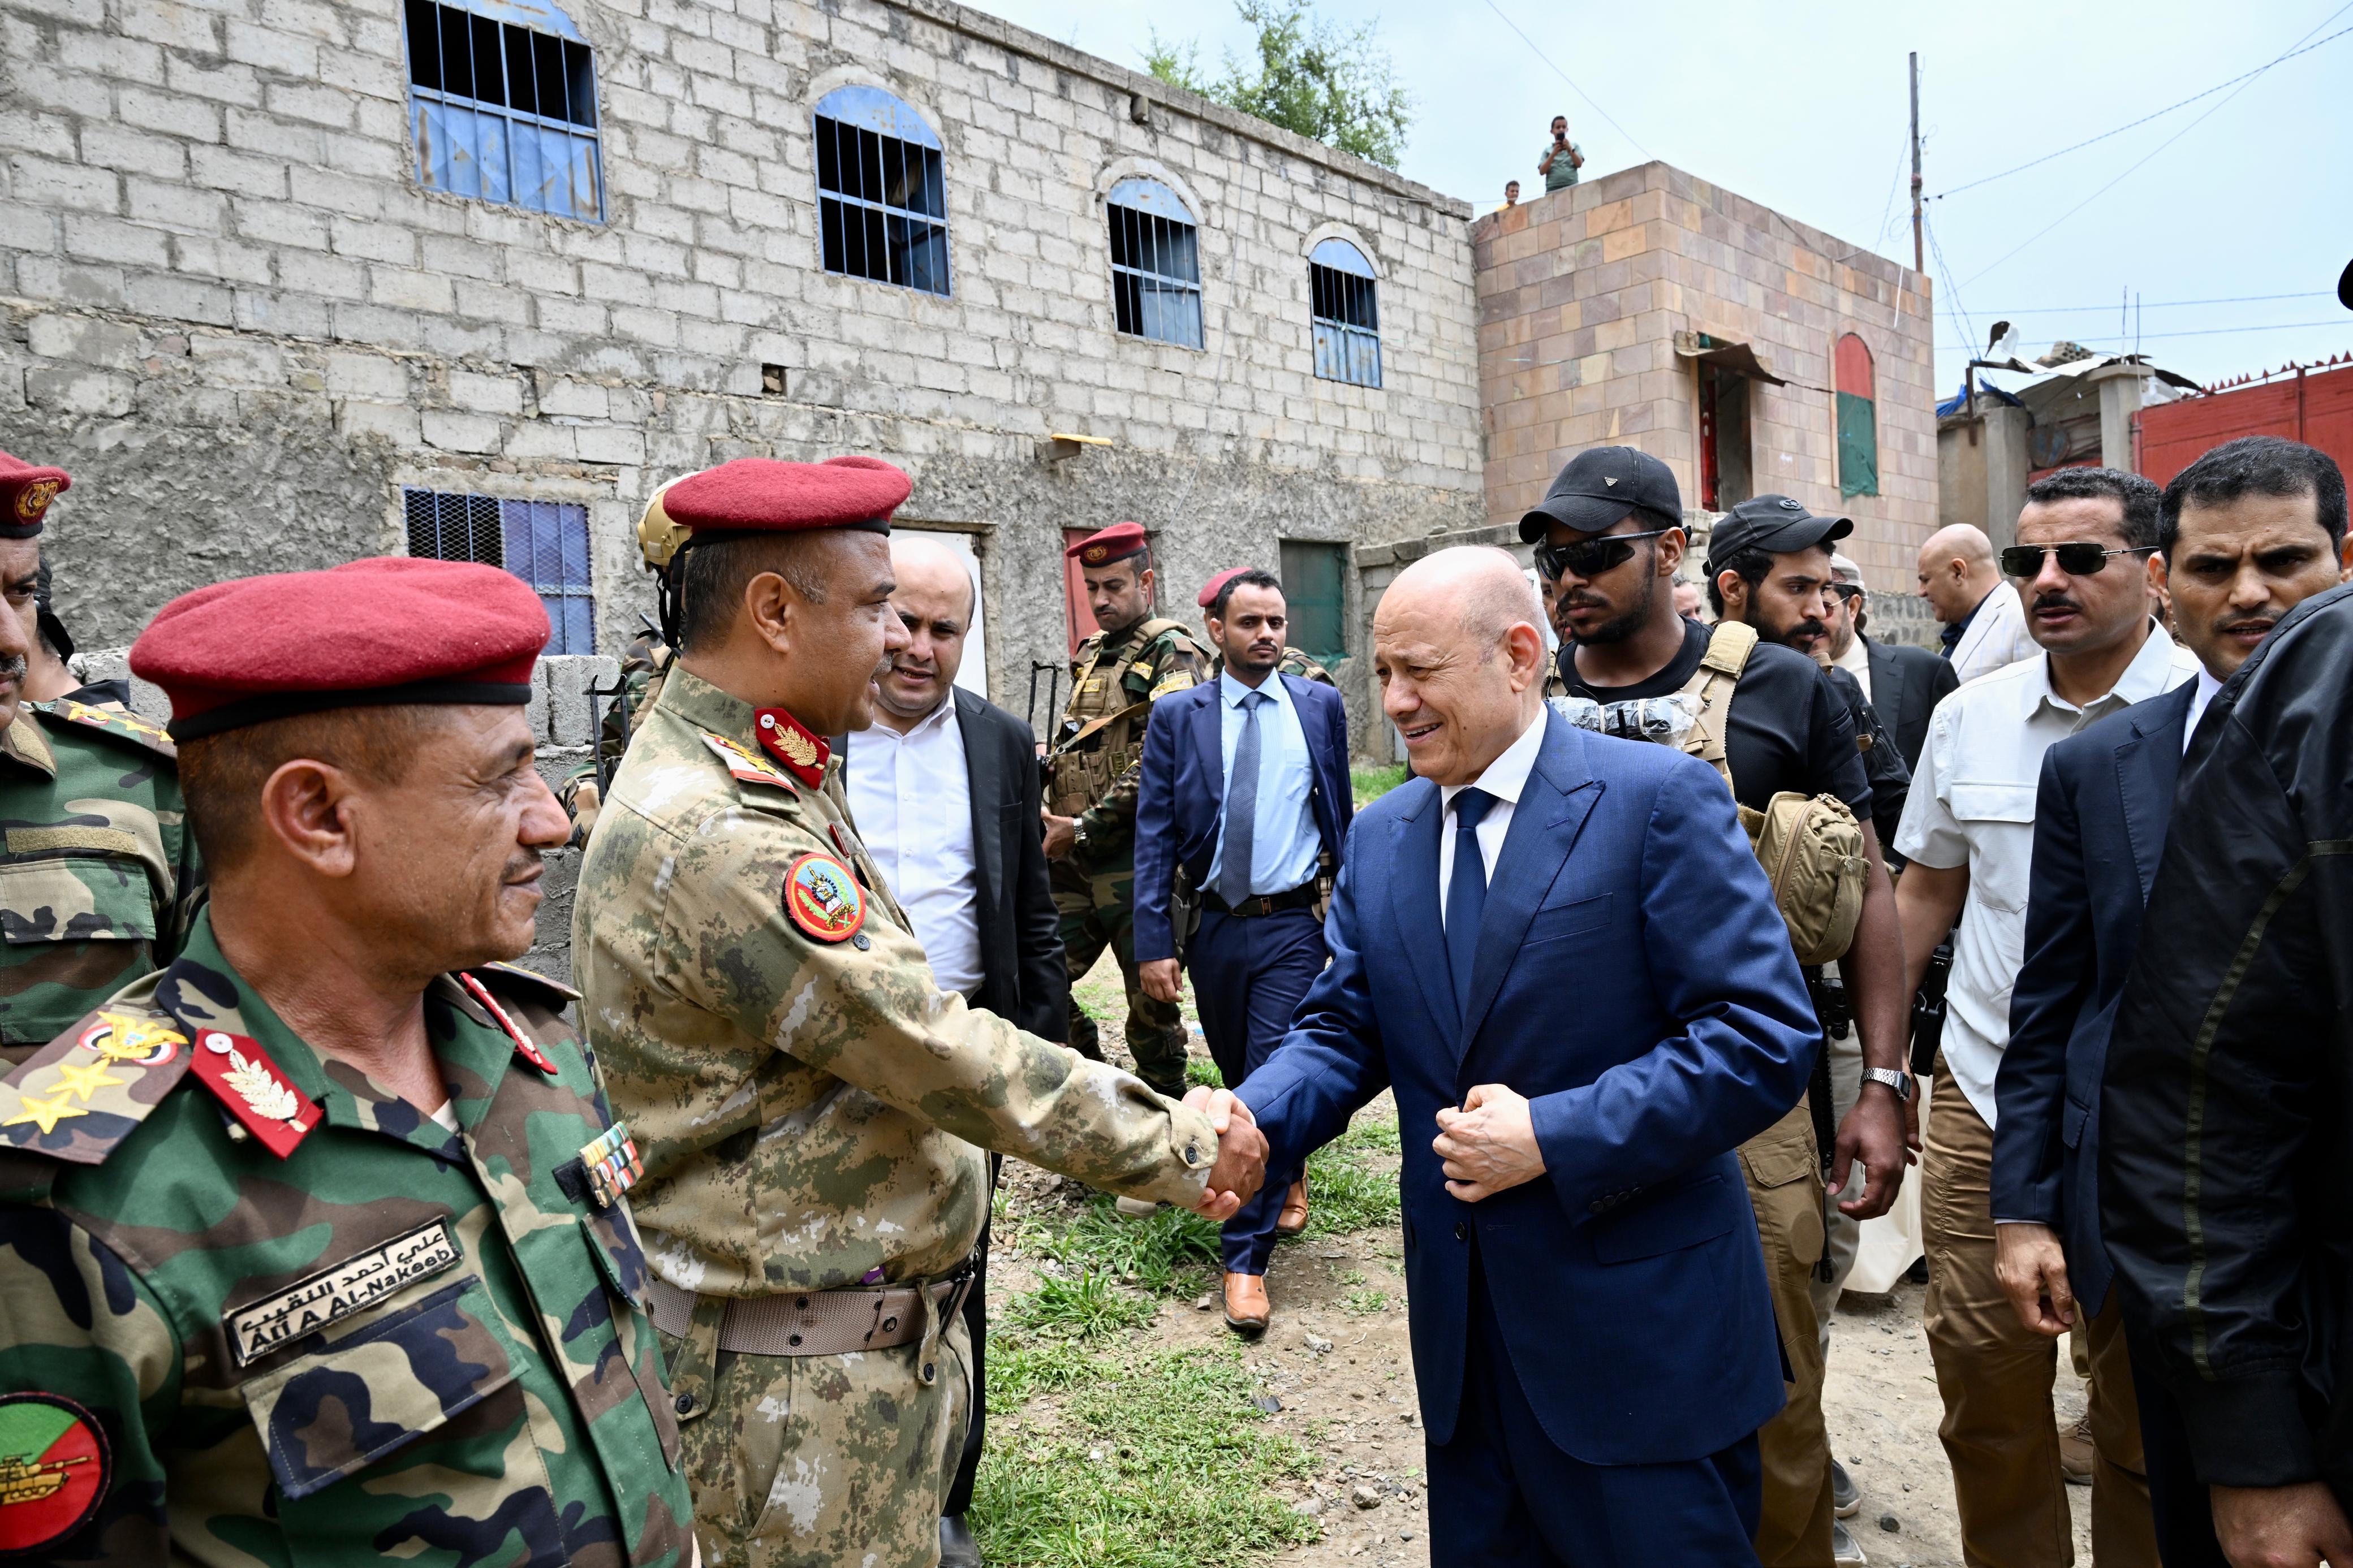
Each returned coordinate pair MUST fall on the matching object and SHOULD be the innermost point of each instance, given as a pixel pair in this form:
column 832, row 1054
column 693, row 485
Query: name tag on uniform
column 259, row 1327
column 1092, row 684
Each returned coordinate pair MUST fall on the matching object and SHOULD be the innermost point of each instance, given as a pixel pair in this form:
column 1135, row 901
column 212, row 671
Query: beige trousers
column 1785, row 1186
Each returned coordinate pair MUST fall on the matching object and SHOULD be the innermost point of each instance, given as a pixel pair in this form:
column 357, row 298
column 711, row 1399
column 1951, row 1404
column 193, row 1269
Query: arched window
column 1858, row 420
column 882, row 191
column 502, row 104
column 1346, row 313
column 1156, row 264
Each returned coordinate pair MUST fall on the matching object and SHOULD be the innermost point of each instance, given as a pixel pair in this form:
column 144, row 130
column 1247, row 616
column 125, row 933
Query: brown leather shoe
column 1248, row 1310
column 1293, row 1217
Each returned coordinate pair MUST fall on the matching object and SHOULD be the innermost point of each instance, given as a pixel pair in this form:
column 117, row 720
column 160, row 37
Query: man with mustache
column 87, row 909
column 2249, row 531
column 314, row 1244
column 2082, row 568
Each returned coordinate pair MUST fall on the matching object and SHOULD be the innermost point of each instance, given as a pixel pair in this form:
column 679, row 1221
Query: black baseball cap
column 1600, row 486
column 1774, row 525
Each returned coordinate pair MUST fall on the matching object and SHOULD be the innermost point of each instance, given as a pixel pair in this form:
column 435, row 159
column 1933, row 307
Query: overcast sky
column 1810, row 118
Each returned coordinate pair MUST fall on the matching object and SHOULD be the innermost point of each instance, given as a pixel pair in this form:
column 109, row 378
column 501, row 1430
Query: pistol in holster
column 1928, row 1011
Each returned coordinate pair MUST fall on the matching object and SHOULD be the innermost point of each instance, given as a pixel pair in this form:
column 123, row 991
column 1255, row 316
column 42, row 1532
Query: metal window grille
column 503, row 113
column 545, row 543
column 1156, row 266
column 882, row 200
column 1344, row 307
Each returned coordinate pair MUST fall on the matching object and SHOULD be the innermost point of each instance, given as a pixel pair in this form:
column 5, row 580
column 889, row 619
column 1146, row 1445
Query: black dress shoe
column 957, row 1548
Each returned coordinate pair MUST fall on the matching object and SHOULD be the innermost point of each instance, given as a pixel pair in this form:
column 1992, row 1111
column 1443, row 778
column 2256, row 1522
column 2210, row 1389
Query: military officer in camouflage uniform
column 99, row 876
column 1292, row 663
column 1092, row 771
column 313, row 1246
column 813, row 1111
column 643, row 663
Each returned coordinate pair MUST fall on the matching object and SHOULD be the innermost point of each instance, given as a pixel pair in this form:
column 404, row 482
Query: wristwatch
column 1901, row 1082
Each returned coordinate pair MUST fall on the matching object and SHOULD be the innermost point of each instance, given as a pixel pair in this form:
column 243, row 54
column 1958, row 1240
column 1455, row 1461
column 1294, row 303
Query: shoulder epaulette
column 84, row 1092
column 128, row 727
column 748, row 765
column 530, row 983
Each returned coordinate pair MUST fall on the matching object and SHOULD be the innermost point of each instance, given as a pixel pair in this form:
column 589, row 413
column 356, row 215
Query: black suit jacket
column 1020, row 934
column 2100, row 821
column 1906, row 684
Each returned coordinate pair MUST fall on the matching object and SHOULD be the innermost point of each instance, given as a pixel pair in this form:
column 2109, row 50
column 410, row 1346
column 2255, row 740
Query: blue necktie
column 1466, row 892
column 1241, row 809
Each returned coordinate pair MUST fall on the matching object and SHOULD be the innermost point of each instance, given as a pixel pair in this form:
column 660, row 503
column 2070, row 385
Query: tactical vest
column 1101, row 732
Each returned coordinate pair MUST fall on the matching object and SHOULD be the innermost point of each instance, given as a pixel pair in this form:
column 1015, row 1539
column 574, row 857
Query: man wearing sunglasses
column 2082, row 570
column 1611, row 529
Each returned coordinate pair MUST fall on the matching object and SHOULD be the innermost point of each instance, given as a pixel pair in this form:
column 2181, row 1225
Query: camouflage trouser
column 1097, row 907
column 828, row 1461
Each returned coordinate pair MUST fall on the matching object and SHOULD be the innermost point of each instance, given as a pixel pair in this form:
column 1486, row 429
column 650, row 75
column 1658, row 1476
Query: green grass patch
column 1164, row 1254
column 1202, row 1070
column 1371, row 783
column 1365, row 1302
column 1153, row 1459
column 1352, row 1182
column 1085, row 1308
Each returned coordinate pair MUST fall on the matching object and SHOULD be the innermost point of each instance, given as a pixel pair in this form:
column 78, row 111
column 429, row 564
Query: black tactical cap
column 1602, row 485
column 1774, row 525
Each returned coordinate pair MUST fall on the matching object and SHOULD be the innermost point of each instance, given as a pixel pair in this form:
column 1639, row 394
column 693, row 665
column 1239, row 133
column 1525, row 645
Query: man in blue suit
column 2247, row 533
column 1560, row 952
column 1244, row 787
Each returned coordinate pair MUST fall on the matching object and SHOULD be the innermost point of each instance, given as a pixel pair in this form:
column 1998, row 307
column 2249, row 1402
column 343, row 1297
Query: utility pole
column 1919, row 261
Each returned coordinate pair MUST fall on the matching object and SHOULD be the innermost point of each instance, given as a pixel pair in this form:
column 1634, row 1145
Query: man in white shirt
column 2082, row 568
column 945, row 792
column 1985, row 620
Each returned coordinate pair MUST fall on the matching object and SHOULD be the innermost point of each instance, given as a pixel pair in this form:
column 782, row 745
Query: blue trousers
column 1501, row 1496
column 1249, row 975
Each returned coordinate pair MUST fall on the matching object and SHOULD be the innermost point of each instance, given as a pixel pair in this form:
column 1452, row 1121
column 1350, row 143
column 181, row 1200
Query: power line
column 2145, row 118
column 2219, row 331
column 1566, row 77
column 2159, row 304
column 2161, row 147
column 1952, row 288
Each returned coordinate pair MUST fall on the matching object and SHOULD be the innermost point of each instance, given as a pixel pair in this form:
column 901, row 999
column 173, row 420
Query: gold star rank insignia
column 45, row 1113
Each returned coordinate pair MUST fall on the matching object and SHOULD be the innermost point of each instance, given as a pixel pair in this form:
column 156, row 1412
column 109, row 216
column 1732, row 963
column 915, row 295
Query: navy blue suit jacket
column 1184, row 784
column 2100, row 818
column 1635, row 982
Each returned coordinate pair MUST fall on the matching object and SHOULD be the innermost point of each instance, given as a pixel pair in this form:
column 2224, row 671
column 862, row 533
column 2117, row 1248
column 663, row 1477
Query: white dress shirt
column 911, row 796
column 1997, row 637
column 1856, row 662
column 1506, row 777
column 2207, row 687
column 1972, row 804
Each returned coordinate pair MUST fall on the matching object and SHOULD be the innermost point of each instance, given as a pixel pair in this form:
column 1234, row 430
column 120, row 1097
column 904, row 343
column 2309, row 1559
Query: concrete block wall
column 228, row 306
column 1581, row 293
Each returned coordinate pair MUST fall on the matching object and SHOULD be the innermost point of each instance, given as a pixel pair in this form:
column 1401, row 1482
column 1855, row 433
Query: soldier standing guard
column 1092, row 771
column 814, row 1111
column 99, row 876
column 312, row 1246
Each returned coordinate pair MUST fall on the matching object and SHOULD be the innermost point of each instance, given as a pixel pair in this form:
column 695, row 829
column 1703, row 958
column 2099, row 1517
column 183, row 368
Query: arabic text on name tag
column 337, row 1292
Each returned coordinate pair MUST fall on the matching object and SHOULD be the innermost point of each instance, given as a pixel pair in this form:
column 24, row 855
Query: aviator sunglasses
column 1590, row 557
column 2077, row 558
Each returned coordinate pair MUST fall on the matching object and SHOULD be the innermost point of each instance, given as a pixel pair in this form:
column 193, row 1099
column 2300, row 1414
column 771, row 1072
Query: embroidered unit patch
column 54, row 1465
column 360, row 1281
column 823, row 899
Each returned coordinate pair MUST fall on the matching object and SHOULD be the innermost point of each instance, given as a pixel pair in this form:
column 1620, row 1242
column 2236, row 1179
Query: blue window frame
column 882, row 191
column 1156, row 264
column 502, row 104
column 1344, row 305
column 545, row 543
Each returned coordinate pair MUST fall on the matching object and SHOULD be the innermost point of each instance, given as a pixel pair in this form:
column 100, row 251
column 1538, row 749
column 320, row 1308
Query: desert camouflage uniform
column 1096, row 765
column 395, row 1342
column 644, row 663
column 1292, row 663
column 813, row 1115
column 99, row 876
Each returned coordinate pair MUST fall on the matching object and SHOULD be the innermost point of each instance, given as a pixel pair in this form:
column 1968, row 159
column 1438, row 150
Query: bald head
column 934, row 601
column 930, row 567
column 1957, row 571
column 1459, row 658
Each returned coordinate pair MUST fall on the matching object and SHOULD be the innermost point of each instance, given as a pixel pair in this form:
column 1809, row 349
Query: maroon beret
column 761, row 494
column 26, row 493
column 1209, row 597
column 390, row 629
column 1118, row 542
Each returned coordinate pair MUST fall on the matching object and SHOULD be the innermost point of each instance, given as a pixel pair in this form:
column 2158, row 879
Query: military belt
column 816, row 1322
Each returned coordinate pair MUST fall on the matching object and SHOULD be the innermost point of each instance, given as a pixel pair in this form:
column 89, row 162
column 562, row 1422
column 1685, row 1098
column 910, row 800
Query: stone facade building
column 285, row 282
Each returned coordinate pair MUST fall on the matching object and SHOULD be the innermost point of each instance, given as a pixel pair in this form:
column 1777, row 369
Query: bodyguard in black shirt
column 1610, row 531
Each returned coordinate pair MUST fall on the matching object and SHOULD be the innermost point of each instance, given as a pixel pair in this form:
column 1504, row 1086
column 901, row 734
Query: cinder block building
column 1750, row 352
column 285, row 282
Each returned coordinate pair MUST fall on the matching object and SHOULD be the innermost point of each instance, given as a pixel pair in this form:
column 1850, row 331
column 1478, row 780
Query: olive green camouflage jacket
column 394, row 1341
column 1169, row 661
column 811, row 1107
column 99, row 878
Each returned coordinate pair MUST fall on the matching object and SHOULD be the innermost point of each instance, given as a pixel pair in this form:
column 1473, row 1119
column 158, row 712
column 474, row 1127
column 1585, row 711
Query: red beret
column 763, row 494
column 1208, row 599
column 390, row 629
column 26, row 493
column 1118, row 542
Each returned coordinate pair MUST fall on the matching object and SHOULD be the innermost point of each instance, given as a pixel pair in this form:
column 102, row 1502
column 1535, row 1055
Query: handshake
column 1235, row 1179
